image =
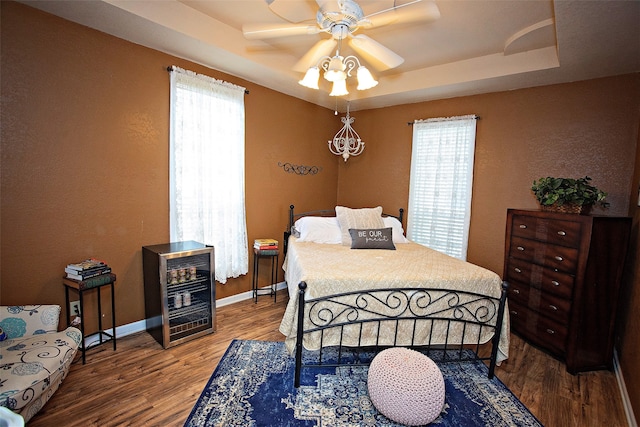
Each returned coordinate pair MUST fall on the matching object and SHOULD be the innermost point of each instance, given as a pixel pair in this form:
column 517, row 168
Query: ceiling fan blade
column 295, row 11
column 268, row 31
column 323, row 48
column 376, row 54
column 329, row 5
column 413, row 11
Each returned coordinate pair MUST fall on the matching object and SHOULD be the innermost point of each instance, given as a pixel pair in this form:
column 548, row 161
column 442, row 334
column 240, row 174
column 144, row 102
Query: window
column 207, row 168
column 440, row 183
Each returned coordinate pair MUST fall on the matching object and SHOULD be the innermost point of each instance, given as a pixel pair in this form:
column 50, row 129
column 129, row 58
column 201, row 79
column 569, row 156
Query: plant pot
column 567, row 208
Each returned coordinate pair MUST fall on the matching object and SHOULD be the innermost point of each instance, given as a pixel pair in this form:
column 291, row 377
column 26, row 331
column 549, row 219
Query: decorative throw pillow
column 357, row 218
column 372, row 238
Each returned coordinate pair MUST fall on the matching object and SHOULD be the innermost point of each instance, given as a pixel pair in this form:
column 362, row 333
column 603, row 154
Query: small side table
column 86, row 286
column 257, row 254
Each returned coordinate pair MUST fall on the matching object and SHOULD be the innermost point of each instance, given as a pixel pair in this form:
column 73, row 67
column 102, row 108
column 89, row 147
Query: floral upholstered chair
column 34, row 356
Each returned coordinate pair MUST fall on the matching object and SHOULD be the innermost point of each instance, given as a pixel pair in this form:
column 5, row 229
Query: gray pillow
column 372, row 238
column 357, row 218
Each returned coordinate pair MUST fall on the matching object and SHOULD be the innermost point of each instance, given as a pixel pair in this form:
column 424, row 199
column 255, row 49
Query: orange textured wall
column 577, row 129
column 85, row 158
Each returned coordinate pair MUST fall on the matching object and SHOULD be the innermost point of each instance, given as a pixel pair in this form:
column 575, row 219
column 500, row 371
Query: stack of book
column 266, row 246
column 90, row 270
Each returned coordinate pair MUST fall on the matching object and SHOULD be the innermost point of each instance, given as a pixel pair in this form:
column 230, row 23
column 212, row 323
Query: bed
column 356, row 282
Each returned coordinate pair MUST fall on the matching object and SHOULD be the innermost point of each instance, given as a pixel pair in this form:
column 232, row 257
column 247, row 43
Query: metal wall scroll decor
column 300, row 169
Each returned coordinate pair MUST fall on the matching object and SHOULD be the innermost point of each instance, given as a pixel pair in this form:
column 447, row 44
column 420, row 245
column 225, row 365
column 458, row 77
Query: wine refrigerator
column 179, row 289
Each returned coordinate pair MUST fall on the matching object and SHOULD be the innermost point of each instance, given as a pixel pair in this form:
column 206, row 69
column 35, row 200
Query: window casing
column 441, row 182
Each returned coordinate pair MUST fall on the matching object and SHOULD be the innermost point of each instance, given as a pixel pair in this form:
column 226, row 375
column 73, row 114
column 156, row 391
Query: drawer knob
column 554, row 283
column 562, row 233
column 553, row 307
column 558, row 258
column 517, row 270
column 516, row 291
column 520, row 248
column 551, row 331
column 522, row 226
column 515, row 313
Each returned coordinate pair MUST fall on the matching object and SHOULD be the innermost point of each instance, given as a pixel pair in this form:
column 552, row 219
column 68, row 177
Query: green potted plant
column 567, row 194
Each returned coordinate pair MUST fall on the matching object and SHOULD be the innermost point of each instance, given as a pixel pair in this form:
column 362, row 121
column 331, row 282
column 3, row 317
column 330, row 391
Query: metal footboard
column 446, row 325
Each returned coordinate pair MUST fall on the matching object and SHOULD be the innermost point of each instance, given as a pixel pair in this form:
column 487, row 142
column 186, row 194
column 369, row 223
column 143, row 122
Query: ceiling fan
column 341, row 19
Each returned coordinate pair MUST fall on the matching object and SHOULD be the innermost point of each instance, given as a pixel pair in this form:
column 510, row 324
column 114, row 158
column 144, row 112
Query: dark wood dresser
column 564, row 273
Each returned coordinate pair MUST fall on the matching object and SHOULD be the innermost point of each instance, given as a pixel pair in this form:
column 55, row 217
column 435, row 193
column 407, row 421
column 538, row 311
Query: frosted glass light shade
column 311, row 78
column 365, row 79
column 335, row 70
column 339, row 88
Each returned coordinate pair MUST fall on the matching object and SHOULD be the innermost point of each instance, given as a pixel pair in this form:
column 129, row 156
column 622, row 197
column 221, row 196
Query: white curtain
column 440, row 184
column 207, row 168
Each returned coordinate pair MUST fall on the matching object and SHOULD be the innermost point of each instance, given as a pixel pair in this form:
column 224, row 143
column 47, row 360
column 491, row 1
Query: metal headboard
column 323, row 212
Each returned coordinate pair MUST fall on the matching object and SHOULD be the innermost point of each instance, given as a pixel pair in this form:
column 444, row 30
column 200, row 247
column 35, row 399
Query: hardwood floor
column 142, row 384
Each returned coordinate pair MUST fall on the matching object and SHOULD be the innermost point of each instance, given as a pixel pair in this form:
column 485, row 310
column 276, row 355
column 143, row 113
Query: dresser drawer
column 538, row 329
column 538, row 301
column 558, row 232
column 552, row 256
column 537, row 276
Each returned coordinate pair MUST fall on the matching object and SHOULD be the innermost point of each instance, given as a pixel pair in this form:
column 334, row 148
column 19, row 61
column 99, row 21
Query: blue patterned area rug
column 253, row 386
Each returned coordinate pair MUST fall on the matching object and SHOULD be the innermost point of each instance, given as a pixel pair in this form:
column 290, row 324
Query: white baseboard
column 245, row 295
column 140, row 325
column 628, row 409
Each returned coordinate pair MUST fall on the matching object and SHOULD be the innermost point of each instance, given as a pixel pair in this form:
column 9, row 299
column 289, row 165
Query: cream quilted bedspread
column 331, row 269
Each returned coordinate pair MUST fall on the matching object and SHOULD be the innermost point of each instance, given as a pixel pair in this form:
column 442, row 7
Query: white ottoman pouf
column 406, row 386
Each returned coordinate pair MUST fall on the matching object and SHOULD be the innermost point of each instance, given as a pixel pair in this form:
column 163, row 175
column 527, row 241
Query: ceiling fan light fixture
column 311, row 78
column 341, row 19
column 339, row 88
column 365, row 79
column 337, row 69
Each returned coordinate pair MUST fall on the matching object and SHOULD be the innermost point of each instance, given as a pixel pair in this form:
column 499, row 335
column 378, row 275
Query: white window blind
column 207, row 201
column 440, row 184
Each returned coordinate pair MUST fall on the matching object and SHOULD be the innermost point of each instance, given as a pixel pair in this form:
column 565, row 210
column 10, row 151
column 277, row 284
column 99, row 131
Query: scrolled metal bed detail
column 420, row 308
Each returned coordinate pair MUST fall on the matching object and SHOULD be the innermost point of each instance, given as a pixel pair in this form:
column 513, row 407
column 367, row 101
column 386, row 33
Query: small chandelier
column 337, row 69
column 347, row 142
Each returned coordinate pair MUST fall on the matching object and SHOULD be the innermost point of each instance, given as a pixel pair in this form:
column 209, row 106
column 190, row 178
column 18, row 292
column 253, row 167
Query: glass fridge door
column 189, row 296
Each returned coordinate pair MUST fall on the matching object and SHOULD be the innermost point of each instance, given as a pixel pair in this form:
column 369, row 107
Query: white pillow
column 398, row 231
column 364, row 218
column 318, row 229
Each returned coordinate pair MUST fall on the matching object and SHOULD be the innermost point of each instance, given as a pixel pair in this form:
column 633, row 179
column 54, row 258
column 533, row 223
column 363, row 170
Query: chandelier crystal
column 347, row 142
